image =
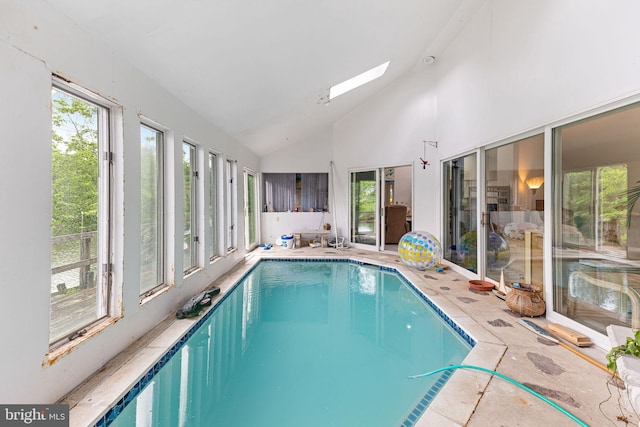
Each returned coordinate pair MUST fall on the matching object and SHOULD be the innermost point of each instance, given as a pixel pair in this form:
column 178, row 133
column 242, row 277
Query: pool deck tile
column 114, row 387
column 470, row 397
column 457, row 401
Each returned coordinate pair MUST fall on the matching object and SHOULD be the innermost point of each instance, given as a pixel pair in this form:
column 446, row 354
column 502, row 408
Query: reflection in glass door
column 460, row 243
column 596, row 235
column 513, row 216
column 364, row 207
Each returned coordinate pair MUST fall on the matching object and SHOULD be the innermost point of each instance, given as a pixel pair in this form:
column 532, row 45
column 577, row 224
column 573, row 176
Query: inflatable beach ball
column 419, row 249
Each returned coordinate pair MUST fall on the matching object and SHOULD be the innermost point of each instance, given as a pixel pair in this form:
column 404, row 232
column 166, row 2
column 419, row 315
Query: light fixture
column 358, row 80
column 534, row 183
column 429, row 60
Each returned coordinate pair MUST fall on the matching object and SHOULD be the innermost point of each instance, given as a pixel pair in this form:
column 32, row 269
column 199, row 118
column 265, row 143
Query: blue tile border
column 442, row 314
column 413, row 416
column 426, row 400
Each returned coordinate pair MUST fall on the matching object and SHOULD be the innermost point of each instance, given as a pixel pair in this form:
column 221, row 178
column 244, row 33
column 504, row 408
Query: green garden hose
column 511, row 380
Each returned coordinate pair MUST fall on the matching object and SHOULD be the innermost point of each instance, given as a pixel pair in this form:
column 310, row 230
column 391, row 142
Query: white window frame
column 231, row 205
column 110, row 215
column 195, row 205
column 247, row 215
column 214, row 191
column 161, row 206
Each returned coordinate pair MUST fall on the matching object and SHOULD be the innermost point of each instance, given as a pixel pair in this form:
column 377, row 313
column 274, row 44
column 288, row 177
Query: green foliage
column 149, row 185
column 188, row 181
column 580, row 200
column 74, row 165
column 633, row 194
column 613, row 206
column 602, row 186
column 631, row 346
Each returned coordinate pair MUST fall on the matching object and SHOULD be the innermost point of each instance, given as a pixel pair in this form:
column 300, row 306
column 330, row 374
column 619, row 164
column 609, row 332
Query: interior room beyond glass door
column 513, row 219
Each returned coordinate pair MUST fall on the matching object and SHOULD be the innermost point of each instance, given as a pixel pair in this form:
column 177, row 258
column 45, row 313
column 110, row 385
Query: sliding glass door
column 509, row 204
column 460, row 207
column 513, row 218
column 381, row 206
column 596, row 236
column 363, row 216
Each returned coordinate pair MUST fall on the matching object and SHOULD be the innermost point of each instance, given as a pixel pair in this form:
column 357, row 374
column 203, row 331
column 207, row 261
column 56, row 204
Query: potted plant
column 631, row 346
column 623, row 361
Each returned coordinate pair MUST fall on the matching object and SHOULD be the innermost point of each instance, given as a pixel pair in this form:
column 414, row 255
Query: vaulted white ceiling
column 258, row 69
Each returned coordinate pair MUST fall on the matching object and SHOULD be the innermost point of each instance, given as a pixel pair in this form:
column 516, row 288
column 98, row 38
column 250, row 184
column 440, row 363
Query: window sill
column 191, row 272
column 59, row 350
column 157, row 292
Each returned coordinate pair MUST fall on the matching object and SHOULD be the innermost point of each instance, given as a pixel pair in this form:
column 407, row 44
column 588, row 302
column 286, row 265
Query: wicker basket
column 525, row 300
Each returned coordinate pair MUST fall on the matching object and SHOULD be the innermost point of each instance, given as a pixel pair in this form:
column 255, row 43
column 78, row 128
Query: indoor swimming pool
column 304, row 342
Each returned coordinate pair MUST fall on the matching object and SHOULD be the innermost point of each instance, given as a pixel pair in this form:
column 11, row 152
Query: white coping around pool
column 90, row 401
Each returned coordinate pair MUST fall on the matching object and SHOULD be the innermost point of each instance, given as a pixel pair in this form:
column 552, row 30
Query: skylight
column 358, row 80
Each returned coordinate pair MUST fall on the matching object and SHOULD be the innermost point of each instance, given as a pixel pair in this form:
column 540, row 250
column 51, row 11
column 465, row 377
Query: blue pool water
column 311, row 343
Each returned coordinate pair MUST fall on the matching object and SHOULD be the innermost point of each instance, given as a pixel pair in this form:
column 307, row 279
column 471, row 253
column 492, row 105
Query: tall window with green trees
column 250, row 211
column 230, row 171
column 213, row 207
column 80, row 158
column 190, row 173
column 151, row 209
column 364, row 201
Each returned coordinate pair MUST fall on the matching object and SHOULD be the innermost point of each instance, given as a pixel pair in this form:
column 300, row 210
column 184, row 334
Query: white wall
column 403, row 185
column 515, row 67
column 35, row 41
column 520, row 65
column 390, row 131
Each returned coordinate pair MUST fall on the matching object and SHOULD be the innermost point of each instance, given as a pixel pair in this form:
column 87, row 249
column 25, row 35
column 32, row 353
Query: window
column 212, row 246
column 250, row 211
column 190, row 208
column 231, row 204
column 596, row 250
column 358, row 80
column 80, row 223
column 151, row 209
column 289, row 192
column 598, row 208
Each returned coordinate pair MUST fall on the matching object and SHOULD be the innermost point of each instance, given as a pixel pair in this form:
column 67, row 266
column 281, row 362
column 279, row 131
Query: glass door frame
column 378, row 215
column 250, row 242
column 516, row 246
column 380, row 195
column 480, row 203
column 482, row 212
